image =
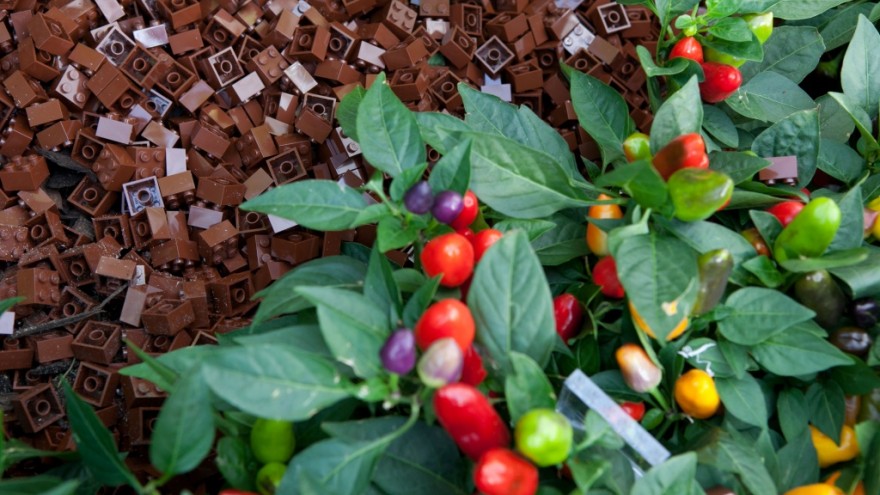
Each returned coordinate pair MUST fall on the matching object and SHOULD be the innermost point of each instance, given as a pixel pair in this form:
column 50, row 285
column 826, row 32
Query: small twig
column 44, row 327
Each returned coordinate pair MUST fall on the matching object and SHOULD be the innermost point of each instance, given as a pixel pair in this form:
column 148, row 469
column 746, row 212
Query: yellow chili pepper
column 696, row 394
column 639, row 372
column 831, row 453
column 597, row 239
column 816, row 489
column 639, row 322
column 832, row 480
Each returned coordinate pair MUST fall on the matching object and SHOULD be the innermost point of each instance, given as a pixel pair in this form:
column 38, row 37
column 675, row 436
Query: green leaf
column 767, row 224
column 333, row 466
column 533, row 228
column 518, row 181
column 706, row 355
column 388, row 132
column 333, row 271
column 860, row 72
column 236, row 462
column 837, row 259
column 748, row 50
column 511, row 302
column 769, row 97
column 742, row 460
column 315, row 204
column 738, row 165
column 721, row 8
column 797, row 134
column 731, row 29
column 681, row 113
column 380, row 286
column 719, row 125
column 840, row 161
column 273, row 381
column 872, row 466
column 743, row 399
column 392, row 233
column 95, row 443
column 792, row 413
column 673, row 67
column 797, row 352
column 527, row 387
column 793, row 10
column 798, row 463
column 662, row 291
column 354, row 328
column 435, row 126
column 676, row 475
column 792, row 51
column 453, row 171
column 38, row 485
column 184, row 432
column 861, row 279
column 839, row 29
column 826, row 404
column 758, row 314
column 835, row 124
column 347, row 110
column 401, row 184
column 850, row 234
column 603, row 114
column 859, row 117
column 856, row 379
column 766, row 271
column 488, row 114
column 564, row 241
column 641, row 181
column 420, row 301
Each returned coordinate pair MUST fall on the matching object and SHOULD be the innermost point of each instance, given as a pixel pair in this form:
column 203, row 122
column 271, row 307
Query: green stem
column 661, row 401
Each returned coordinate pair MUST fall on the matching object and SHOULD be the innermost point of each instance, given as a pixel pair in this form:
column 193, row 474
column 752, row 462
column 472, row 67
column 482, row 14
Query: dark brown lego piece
column 96, row 384
column 16, row 354
column 97, row 342
column 38, row 408
column 168, row 317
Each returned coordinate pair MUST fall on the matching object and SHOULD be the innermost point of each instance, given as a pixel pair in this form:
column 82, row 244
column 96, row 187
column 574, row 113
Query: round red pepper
column 605, row 276
column 786, row 211
column 445, row 318
column 720, row 82
column 635, row 410
column 569, row 316
column 450, row 255
column 483, row 240
column 502, row 472
column 466, row 414
column 685, row 151
column 687, row 47
column 468, row 212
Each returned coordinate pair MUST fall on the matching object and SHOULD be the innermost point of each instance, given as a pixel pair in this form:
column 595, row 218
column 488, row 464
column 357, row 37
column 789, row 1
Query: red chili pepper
column 687, row 150
column 569, row 316
column 605, row 276
column 786, row 211
column 636, row 410
column 473, row 372
column 466, row 414
column 502, row 472
column 720, row 82
column 687, row 47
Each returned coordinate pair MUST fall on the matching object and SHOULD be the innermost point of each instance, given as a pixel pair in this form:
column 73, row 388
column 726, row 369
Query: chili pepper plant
column 735, row 319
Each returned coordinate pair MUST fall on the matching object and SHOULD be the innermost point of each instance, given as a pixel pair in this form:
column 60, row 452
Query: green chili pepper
column 698, row 193
column 811, row 231
column 761, row 25
column 714, row 268
column 818, row 291
column 637, row 147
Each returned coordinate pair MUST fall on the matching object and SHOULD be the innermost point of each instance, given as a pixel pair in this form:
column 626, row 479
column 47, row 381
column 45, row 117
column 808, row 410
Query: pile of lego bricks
column 131, row 133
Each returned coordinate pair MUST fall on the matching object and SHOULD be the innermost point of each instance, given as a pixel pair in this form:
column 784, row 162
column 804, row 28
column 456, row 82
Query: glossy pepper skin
column 761, row 25
column 685, row 151
column 502, row 472
column 815, row 489
column 466, row 414
column 637, row 147
column 713, row 55
column 635, row 410
column 698, row 193
column 640, row 323
column 446, row 318
column 819, row 292
column 714, row 270
column 597, row 239
column 473, row 372
column 569, row 316
column 696, row 394
column 605, row 276
column 450, row 255
column 272, row 440
column 831, row 453
column 687, row 47
column 786, row 211
column 544, row 436
column 720, row 82
column 639, row 372
column 811, row 231
column 754, row 237
column 866, row 312
column 832, row 481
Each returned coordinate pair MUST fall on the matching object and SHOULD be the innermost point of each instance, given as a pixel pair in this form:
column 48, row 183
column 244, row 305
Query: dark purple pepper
column 853, row 340
column 419, row 198
column 399, row 352
column 447, row 206
column 866, row 312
